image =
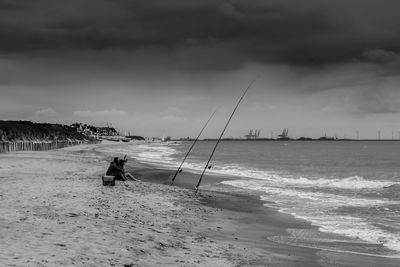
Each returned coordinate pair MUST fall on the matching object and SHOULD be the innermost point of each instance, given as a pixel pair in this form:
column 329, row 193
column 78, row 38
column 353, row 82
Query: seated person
column 121, row 164
column 116, row 170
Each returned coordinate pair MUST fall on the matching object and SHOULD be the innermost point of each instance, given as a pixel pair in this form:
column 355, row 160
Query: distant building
column 107, row 131
column 92, row 131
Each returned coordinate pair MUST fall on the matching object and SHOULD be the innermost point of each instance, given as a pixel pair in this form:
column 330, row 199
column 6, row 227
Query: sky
column 161, row 67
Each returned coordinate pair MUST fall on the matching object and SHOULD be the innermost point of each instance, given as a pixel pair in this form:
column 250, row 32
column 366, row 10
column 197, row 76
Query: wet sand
column 55, row 212
column 241, row 220
column 247, row 221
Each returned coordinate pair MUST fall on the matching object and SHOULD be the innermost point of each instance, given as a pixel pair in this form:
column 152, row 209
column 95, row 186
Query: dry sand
column 55, row 212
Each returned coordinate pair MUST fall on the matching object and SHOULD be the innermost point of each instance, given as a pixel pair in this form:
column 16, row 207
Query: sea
column 349, row 190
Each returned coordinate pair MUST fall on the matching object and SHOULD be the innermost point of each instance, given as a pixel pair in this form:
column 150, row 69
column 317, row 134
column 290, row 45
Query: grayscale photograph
column 200, row 133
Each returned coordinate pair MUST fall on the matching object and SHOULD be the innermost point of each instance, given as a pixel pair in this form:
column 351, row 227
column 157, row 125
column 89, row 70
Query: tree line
column 11, row 131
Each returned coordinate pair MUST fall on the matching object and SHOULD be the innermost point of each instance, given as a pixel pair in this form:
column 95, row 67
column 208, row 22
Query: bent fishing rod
column 191, row 147
column 220, row 137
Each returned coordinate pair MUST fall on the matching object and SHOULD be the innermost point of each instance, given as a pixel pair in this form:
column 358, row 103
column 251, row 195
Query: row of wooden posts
column 38, row 145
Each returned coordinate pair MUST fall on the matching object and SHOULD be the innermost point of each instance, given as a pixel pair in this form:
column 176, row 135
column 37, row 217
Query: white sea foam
column 353, row 182
column 350, row 183
column 319, row 198
column 331, row 200
column 319, row 209
column 159, row 153
column 345, row 225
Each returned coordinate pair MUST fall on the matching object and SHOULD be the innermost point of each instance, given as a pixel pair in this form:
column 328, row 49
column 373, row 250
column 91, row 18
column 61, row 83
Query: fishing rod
column 190, row 149
column 222, row 133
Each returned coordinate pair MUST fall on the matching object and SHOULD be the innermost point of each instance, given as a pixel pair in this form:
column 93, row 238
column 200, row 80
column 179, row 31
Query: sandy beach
column 55, row 212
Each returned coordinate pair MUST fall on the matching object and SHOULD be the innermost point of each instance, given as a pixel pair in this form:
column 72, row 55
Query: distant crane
column 284, row 135
column 250, row 135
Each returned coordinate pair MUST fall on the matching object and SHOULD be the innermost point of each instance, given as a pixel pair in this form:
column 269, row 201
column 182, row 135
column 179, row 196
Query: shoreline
column 56, row 212
column 253, row 215
column 283, row 140
column 323, row 241
column 240, row 218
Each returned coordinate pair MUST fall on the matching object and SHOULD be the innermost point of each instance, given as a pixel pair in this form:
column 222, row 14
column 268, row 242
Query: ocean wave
column 319, row 208
column 320, row 199
column 351, row 183
column 327, row 200
column 156, row 153
column 163, row 155
column 345, row 225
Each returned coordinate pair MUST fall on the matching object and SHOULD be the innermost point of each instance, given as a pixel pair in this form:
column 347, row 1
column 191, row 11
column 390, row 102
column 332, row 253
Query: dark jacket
column 114, row 169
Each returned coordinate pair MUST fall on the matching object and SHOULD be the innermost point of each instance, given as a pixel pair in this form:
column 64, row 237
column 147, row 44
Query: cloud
column 219, row 32
column 49, row 112
column 99, row 113
column 381, row 55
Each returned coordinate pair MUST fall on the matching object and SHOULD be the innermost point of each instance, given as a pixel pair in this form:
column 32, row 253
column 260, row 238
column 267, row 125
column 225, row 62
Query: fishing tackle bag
column 108, row 180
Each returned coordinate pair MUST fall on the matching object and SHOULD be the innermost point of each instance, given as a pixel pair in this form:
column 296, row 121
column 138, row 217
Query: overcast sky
column 160, row 67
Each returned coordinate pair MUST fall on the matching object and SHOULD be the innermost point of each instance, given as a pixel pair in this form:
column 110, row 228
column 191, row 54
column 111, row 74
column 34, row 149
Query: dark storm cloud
column 307, row 33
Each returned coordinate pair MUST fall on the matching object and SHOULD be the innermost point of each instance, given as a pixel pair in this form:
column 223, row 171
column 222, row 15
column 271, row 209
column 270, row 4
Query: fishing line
column 222, row 133
column 191, row 147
